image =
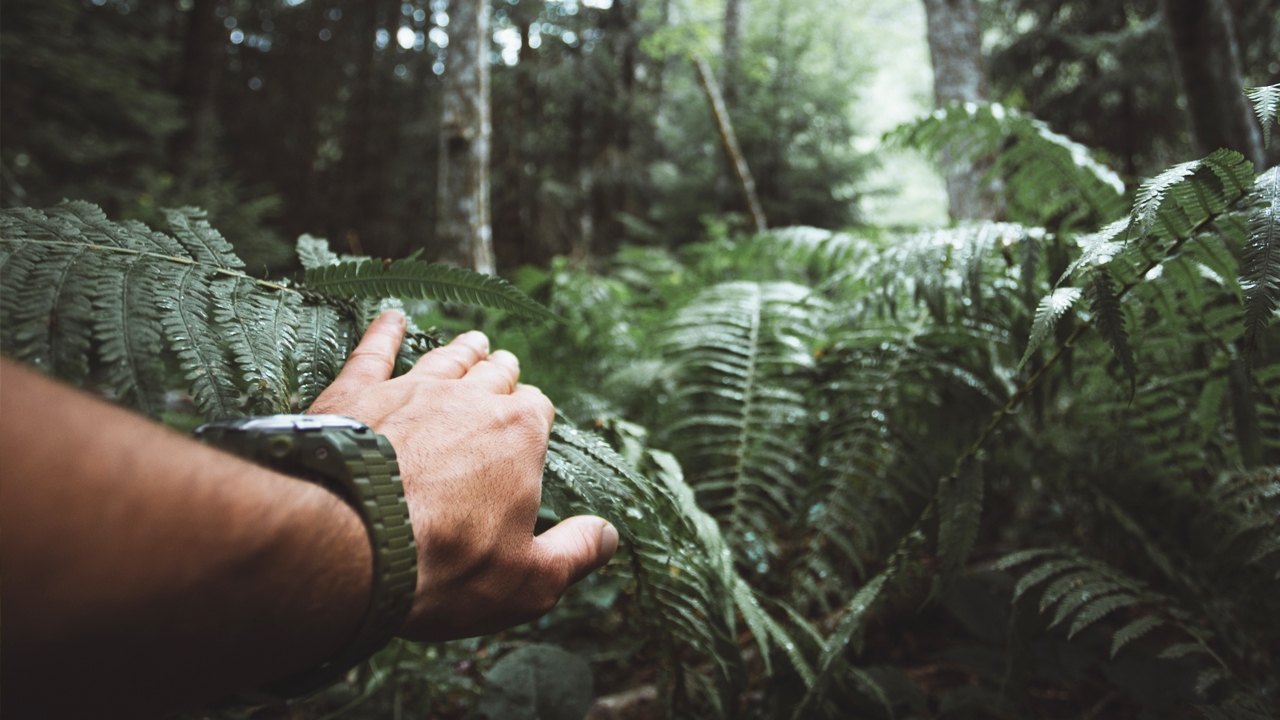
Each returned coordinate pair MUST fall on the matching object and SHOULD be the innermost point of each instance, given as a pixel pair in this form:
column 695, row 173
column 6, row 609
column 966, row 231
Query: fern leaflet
column 1260, row 272
column 415, row 279
column 1266, row 100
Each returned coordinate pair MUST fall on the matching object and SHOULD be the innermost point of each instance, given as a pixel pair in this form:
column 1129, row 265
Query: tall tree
column 192, row 148
column 463, row 226
column 955, row 46
column 731, row 49
column 1206, row 55
column 732, row 151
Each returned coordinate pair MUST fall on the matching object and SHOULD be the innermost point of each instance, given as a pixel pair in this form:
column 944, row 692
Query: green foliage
column 75, row 281
column 807, row 436
column 1265, row 102
column 417, row 280
column 1051, row 180
column 1261, row 275
column 537, row 681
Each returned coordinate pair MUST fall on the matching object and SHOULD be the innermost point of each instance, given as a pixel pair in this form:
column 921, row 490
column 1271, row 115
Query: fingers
column 576, row 546
column 374, row 358
column 499, row 373
column 452, row 361
column 536, row 400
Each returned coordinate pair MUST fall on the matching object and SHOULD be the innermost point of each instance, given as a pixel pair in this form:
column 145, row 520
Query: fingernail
column 394, row 315
column 608, row 543
column 504, row 356
column 475, row 339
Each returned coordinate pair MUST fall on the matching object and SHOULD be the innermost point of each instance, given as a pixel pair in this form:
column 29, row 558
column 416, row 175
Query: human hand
column 471, row 443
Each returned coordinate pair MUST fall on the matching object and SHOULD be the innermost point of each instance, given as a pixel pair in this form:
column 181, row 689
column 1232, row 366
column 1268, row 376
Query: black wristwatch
column 353, row 461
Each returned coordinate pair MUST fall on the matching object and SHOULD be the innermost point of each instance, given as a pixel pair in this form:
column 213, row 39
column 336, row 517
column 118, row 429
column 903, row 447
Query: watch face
column 296, row 423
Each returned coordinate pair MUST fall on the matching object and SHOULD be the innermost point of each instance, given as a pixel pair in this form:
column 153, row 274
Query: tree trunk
column 359, row 190
column 1206, row 59
column 734, row 22
column 730, row 141
column 955, row 46
column 191, row 147
column 462, row 224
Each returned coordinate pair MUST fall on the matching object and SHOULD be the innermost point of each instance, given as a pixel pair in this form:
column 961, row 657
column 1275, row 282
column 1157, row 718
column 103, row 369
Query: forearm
column 153, row 568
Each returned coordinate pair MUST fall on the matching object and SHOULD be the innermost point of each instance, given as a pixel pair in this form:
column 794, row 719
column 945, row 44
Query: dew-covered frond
column 1260, row 267
column 1176, row 202
column 682, row 565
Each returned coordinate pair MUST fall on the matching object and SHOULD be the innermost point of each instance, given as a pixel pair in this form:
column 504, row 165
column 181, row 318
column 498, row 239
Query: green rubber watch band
column 348, row 458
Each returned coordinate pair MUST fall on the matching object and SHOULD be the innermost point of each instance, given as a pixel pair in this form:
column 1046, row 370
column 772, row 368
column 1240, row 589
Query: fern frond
column 130, row 331
column 1049, row 177
column 680, row 563
column 47, row 321
column 959, row 515
column 1246, row 508
column 1099, row 609
column 205, row 245
column 188, row 317
column 1051, row 309
column 1097, row 248
column 324, row 341
column 1108, row 317
column 743, row 353
column 1152, row 193
column 1178, row 200
column 1260, row 269
column 314, row 252
column 1133, row 631
column 1088, row 590
column 259, row 328
column 415, row 279
column 1266, row 100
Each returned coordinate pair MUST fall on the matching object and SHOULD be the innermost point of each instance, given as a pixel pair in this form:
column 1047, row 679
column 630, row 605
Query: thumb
column 577, row 546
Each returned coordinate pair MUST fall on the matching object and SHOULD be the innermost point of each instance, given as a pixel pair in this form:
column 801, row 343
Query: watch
column 348, row 458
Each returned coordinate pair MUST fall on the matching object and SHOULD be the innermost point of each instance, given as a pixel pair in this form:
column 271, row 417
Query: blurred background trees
column 325, row 116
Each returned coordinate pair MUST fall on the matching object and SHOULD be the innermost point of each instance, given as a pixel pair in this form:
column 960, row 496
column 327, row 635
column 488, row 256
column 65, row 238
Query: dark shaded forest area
column 925, row 355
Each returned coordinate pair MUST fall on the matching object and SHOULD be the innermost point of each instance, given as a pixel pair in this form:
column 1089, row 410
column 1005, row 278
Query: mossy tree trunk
column 463, row 228
column 955, row 46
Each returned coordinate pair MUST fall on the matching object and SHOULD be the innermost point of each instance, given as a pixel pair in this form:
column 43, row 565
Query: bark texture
column 737, row 161
column 734, row 23
column 1205, row 51
column 463, row 226
column 955, row 47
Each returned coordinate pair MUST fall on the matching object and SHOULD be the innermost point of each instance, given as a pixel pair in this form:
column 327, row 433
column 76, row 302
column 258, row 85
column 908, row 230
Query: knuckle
column 372, row 357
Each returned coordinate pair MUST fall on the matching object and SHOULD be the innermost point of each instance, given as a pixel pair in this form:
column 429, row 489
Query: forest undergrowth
column 1017, row 469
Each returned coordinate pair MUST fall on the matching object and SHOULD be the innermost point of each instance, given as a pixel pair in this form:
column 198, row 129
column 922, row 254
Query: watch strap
column 348, row 458
column 374, row 488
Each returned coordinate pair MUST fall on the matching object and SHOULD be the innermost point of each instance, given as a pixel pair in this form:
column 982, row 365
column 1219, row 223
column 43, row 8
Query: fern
column 187, row 324
column 1049, row 312
column 1049, row 178
column 740, row 349
column 415, row 279
column 1260, row 272
column 679, row 558
column 78, row 291
column 1266, row 100
column 1087, row 590
column 959, row 515
column 1109, row 319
